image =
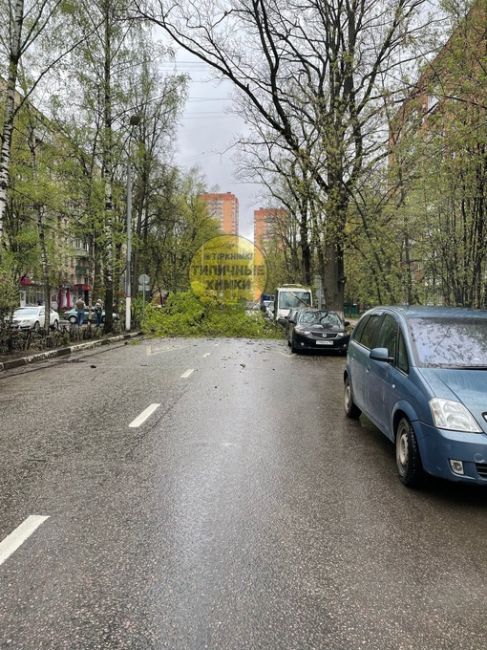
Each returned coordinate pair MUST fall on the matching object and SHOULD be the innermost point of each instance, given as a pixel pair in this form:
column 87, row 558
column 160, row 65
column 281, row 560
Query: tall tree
column 440, row 162
column 99, row 96
column 40, row 25
column 180, row 224
column 158, row 100
column 311, row 71
column 288, row 184
column 113, row 77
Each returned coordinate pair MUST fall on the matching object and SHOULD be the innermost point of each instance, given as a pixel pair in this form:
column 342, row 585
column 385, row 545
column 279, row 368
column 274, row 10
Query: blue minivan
column 420, row 375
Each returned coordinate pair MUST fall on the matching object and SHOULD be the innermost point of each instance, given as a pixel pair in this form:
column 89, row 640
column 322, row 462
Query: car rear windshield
column 450, row 343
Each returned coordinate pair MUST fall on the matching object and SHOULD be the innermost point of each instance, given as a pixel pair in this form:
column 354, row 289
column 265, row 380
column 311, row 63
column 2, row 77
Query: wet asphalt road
column 245, row 512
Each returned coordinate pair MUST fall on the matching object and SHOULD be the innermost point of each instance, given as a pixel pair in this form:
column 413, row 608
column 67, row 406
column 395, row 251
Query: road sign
column 144, row 279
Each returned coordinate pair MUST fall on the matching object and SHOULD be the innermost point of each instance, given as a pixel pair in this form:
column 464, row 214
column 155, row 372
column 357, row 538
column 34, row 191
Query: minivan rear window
column 449, row 343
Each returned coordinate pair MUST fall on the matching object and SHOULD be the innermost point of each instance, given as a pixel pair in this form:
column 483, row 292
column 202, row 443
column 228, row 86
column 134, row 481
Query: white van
column 290, row 296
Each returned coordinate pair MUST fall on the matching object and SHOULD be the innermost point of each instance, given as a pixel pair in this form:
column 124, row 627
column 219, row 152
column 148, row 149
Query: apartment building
column 69, row 256
column 267, row 222
column 437, row 163
column 223, row 207
column 455, row 77
column 71, row 281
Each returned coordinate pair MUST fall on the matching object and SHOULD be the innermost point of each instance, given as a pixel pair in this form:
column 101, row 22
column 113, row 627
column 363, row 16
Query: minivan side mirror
column 346, row 323
column 381, row 354
column 291, row 320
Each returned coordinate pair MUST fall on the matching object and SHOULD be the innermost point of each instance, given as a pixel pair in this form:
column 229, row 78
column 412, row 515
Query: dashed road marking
column 150, row 351
column 207, row 354
column 140, row 419
column 187, row 374
column 18, row 536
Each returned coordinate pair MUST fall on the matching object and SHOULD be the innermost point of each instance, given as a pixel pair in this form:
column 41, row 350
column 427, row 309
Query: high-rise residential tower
column 266, row 225
column 224, row 207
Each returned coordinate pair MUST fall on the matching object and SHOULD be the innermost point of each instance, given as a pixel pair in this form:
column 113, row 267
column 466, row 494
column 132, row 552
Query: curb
column 61, row 352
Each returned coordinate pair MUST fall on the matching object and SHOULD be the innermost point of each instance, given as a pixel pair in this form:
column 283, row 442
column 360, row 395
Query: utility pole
column 134, row 121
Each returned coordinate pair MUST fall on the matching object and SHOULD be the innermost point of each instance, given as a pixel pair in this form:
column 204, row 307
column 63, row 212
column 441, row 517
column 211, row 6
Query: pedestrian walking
column 80, row 309
column 98, row 312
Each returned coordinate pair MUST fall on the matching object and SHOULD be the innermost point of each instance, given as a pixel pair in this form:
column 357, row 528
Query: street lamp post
column 134, row 121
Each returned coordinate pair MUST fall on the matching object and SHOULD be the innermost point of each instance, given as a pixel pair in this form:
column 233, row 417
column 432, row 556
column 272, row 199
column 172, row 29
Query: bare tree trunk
column 9, row 111
column 407, row 263
column 305, row 247
column 107, row 173
column 41, row 228
column 97, row 270
column 334, row 277
column 336, row 215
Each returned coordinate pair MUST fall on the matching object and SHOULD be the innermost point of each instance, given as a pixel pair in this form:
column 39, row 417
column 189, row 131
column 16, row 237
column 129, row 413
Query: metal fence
column 13, row 341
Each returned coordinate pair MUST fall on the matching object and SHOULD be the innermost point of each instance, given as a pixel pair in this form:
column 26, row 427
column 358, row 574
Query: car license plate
column 324, row 342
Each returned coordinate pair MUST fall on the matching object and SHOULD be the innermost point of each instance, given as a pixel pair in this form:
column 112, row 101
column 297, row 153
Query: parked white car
column 32, row 318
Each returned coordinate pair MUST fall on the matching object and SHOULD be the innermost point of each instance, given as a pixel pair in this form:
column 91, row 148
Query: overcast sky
column 206, row 134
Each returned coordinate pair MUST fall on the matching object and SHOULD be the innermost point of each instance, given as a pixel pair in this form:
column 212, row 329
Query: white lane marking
column 216, row 345
column 140, row 419
column 187, row 374
column 18, row 536
column 150, row 351
column 207, row 354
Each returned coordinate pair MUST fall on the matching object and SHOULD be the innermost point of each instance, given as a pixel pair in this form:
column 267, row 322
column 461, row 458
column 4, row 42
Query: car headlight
column 300, row 330
column 448, row 414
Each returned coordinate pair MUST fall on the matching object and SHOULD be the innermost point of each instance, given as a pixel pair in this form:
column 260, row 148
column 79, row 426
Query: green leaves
column 185, row 315
column 9, row 286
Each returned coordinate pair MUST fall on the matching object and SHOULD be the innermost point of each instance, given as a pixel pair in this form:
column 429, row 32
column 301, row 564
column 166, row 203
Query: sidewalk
column 26, row 360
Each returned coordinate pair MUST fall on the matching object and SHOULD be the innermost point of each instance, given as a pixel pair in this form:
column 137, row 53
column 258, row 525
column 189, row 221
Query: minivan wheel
column 351, row 409
column 408, row 460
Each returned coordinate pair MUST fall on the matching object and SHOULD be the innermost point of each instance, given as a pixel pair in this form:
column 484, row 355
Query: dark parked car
column 420, row 375
column 72, row 316
column 315, row 329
